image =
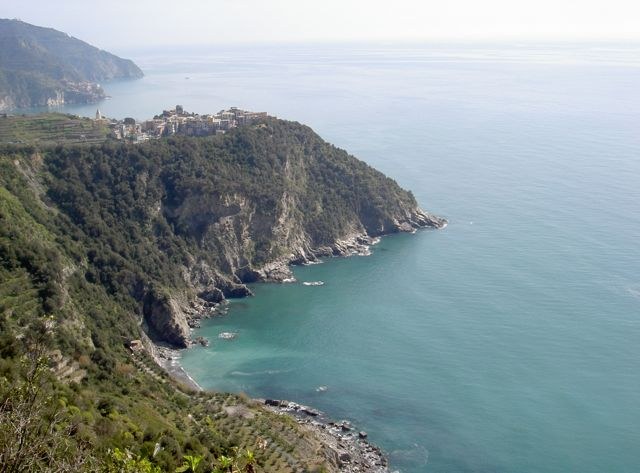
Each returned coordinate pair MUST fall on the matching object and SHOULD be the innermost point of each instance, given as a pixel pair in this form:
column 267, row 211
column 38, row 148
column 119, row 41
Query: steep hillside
column 100, row 243
column 42, row 66
column 183, row 221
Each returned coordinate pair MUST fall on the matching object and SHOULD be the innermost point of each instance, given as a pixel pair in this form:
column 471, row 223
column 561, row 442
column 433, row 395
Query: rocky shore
column 170, row 318
column 351, row 450
column 169, row 359
column 176, row 317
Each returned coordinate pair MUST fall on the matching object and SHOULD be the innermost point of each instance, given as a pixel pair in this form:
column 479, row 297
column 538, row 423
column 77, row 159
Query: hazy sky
column 120, row 23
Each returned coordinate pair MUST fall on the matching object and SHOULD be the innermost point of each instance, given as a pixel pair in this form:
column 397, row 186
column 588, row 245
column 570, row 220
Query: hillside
column 42, row 66
column 50, row 129
column 100, row 243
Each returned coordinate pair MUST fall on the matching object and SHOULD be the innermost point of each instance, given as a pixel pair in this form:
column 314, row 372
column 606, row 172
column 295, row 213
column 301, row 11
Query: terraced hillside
column 51, row 129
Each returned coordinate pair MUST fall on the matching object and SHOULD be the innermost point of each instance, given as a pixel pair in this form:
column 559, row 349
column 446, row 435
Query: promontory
column 106, row 247
column 45, row 67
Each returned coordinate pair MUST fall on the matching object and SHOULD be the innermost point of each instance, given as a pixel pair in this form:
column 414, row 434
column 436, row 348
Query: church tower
column 98, row 115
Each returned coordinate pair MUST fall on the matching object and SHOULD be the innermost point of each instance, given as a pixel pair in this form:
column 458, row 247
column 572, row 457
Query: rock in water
column 227, row 335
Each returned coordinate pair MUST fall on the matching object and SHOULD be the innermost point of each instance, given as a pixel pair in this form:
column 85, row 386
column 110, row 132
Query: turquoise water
column 508, row 342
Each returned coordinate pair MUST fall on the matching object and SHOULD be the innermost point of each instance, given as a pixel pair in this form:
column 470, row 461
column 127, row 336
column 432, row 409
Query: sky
column 124, row 23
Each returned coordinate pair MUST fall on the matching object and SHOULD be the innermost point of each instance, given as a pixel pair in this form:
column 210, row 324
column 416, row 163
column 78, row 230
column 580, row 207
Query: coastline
column 351, row 451
column 169, row 360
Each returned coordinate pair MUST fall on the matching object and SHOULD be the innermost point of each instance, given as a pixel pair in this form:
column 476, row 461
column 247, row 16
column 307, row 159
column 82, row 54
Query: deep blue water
column 510, row 341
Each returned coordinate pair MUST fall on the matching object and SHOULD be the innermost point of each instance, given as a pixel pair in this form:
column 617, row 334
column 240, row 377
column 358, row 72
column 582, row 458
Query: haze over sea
column 508, row 342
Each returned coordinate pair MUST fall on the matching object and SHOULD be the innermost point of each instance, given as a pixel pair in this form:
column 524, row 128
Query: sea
column 510, row 340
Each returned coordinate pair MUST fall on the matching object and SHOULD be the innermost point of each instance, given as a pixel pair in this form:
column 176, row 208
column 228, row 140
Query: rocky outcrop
column 169, row 320
column 211, row 215
column 212, row 295
column 170, row 317
column 165, row 319
column 6, row 102
column 346, row 449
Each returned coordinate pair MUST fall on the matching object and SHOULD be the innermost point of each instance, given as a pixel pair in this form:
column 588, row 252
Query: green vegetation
column 51, row 129
column 89, row 234
column 40, row 66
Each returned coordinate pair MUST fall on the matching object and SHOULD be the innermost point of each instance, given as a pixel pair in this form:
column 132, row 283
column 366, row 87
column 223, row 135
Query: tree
column 36, row 432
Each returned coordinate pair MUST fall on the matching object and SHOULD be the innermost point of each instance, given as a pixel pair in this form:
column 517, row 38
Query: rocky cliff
column 101, row 243
column 179, row 225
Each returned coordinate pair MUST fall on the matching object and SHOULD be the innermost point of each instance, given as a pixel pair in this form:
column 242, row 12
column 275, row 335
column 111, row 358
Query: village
column 179, row 122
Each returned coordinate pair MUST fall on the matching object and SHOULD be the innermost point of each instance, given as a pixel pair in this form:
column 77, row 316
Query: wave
column 313, row 283
column 417, row 456
column 634, row 291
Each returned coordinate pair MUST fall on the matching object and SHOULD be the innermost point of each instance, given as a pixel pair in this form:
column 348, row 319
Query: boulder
column 232, row 290
column 212, row 295
column 345, row 426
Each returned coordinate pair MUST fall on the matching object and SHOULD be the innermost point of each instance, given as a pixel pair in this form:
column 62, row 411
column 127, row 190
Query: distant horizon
column 120, row 25
column 514, row 42
column 478, row 41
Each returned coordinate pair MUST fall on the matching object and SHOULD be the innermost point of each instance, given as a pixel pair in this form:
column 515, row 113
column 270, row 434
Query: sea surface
column 508, row 342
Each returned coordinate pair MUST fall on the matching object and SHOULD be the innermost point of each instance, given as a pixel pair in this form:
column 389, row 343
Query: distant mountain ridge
column 45, row 67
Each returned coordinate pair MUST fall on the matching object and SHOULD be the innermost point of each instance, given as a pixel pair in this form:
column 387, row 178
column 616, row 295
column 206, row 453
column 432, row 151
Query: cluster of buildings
column 179, row 122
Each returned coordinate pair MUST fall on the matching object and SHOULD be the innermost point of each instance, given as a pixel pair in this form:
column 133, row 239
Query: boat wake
column 256, row 373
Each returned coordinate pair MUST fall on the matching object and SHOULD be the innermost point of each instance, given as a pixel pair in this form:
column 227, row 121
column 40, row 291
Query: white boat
column 313, row 283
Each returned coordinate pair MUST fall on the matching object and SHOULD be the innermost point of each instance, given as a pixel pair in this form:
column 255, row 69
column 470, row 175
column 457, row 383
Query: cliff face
column 45, row 67
column 179, row 225
column 98, row 243
column 295, row 198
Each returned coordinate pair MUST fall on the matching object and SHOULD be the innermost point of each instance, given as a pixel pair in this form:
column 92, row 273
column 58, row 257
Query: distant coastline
column 42, row 67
